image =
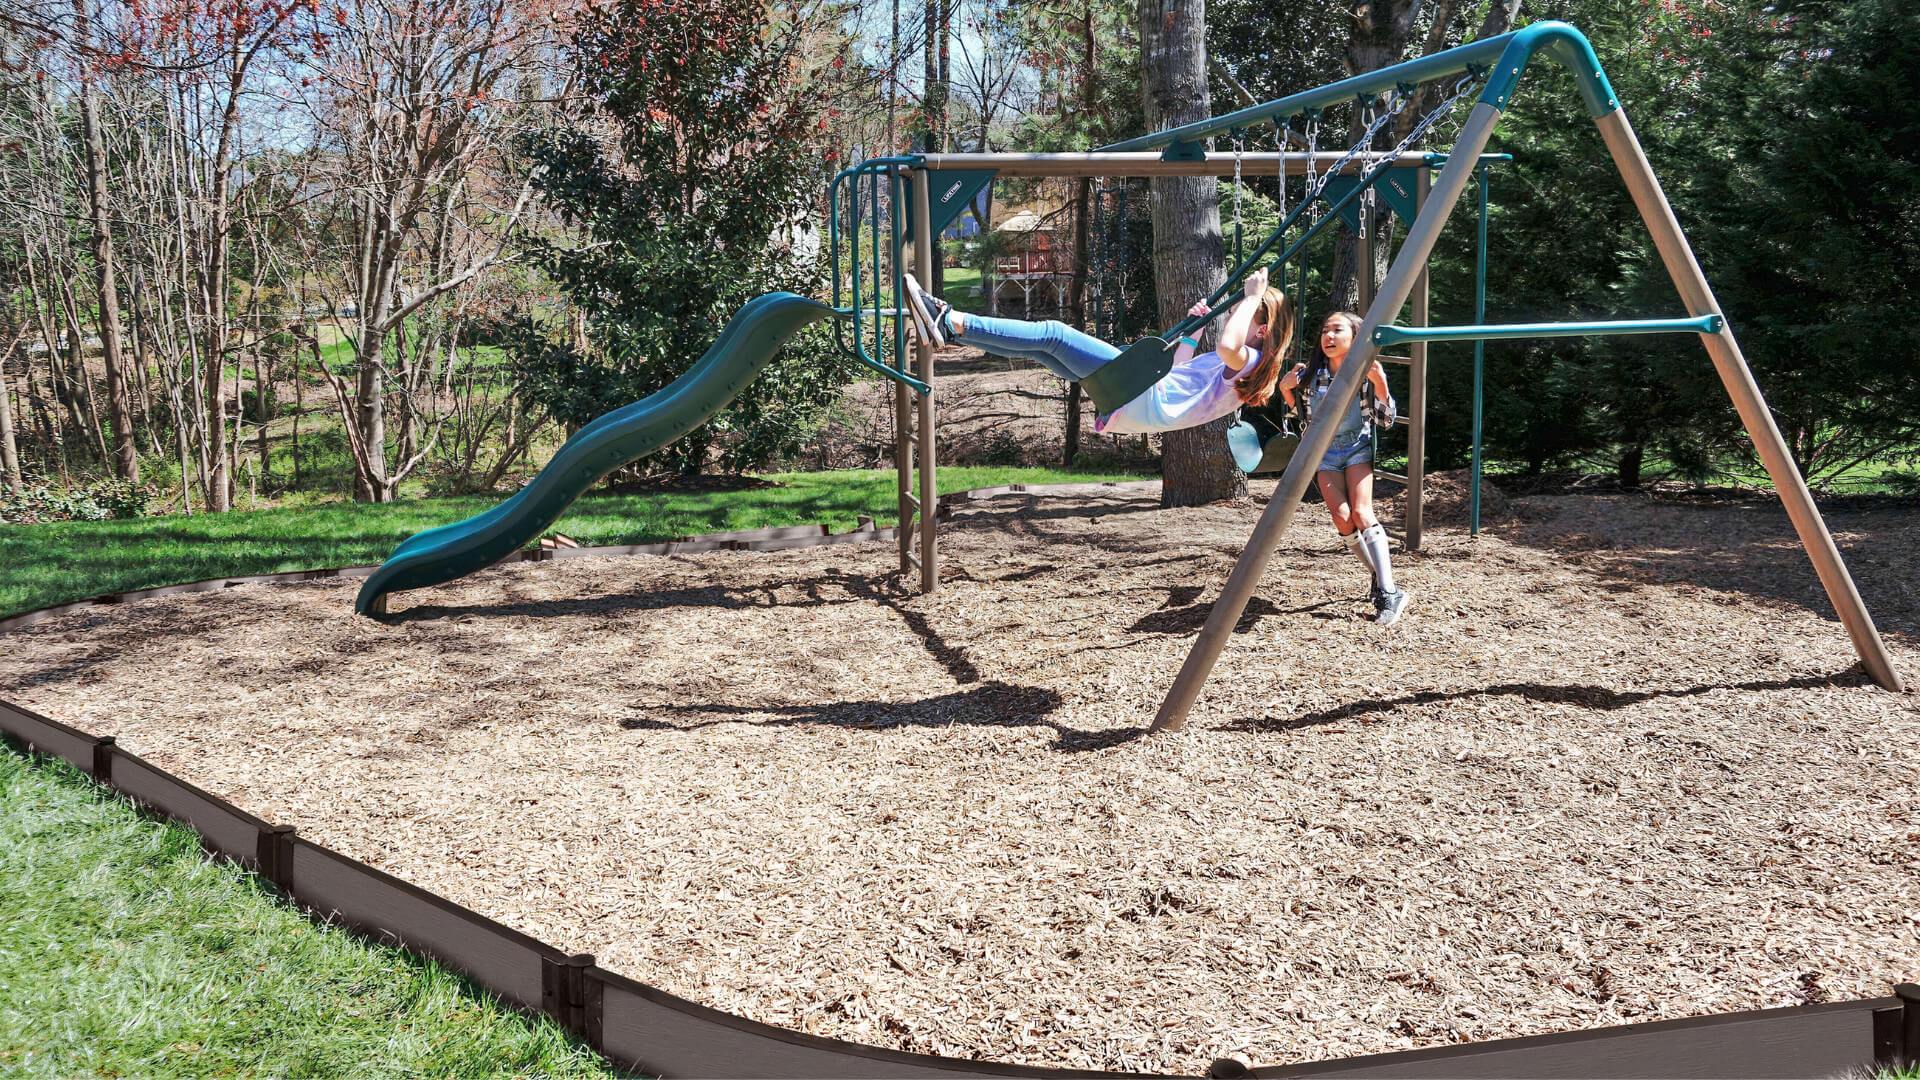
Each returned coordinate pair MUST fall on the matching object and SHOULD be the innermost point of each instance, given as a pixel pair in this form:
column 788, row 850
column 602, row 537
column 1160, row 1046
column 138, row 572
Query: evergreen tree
column 691, row 187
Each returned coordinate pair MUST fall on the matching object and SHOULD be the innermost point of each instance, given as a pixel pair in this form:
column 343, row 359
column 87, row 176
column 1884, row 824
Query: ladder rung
column 1408, row 360
column 1402, row 421
column 1398, row 477
column 911, row 499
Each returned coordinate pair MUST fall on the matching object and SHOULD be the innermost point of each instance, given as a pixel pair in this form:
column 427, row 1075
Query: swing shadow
column 990, row 704
column 1598, row 698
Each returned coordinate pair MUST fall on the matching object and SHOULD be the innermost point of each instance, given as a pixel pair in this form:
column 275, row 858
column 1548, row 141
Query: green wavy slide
column 751, row 338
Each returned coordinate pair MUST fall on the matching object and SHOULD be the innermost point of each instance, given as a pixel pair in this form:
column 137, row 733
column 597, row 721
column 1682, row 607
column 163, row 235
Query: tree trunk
column 1077, row 303
column 938, row 72
column 1083, row 229
column 370, row 414
column 1627, row 469
column 126, row 453
column 1188, row 257
column 9, row 447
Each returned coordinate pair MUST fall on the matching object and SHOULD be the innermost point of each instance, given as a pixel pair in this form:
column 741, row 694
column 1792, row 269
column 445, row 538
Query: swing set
column 1421, row 188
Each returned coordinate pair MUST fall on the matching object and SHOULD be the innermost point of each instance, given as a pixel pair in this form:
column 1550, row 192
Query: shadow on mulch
column 1586, row 697
column 1184, row 613
column 1748, row 548
column 992, row 704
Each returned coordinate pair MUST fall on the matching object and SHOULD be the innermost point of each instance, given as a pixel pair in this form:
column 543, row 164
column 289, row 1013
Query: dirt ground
column 992, row 411
column 1618, row 764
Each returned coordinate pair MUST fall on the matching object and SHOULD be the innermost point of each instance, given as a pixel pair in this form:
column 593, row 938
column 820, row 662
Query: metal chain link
column 1313, row 166
column 1283, row 135
column 1239, row 147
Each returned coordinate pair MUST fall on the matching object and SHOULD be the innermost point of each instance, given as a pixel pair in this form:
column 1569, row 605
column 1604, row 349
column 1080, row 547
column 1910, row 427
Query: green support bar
column 1394, row 335
column 1479, row 354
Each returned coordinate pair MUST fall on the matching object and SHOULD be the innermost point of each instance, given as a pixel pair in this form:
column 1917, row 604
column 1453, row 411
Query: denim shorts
column 1348, row 451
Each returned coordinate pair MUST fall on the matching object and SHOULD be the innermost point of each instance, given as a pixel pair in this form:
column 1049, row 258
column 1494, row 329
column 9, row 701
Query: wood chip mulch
column 1618, row 764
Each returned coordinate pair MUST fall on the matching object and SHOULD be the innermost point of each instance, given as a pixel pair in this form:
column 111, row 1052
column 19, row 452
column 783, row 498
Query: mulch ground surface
column 1619, row 763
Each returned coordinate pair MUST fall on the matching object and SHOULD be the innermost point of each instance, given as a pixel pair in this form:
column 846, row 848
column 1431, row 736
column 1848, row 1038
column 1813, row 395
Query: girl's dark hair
column 1317, row 363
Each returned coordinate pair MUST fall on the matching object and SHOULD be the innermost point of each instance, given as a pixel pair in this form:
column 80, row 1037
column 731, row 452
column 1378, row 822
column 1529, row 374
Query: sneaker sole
column 922, row 318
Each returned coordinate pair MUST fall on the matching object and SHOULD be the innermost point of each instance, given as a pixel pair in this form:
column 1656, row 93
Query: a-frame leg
column 1732, row 366
column 1273, row 523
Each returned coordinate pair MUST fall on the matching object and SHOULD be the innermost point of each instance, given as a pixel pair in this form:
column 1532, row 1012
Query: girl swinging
column 1202, row 387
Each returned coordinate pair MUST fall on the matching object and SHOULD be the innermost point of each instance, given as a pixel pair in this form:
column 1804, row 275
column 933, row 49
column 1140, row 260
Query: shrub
column 97, row 501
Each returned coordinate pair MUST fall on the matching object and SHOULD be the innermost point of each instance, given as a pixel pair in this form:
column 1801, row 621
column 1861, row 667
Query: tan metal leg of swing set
column 1393, row 294
column 1725, row 351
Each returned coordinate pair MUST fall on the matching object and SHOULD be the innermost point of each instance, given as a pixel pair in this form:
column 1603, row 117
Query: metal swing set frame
column 933, row 188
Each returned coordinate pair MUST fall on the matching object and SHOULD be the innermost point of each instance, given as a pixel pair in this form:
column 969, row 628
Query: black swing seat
column 1130, row 374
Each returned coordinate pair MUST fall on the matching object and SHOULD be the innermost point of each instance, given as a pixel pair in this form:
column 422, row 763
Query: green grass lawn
column 41, row 565
column 126, row 952
column 962, row 288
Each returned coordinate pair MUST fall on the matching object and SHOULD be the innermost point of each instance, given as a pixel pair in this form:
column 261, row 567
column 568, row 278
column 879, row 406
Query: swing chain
column 1312, row 188
column 1367, row 116
column 1395, row 107
column 1283, row 134
column 1239, row 147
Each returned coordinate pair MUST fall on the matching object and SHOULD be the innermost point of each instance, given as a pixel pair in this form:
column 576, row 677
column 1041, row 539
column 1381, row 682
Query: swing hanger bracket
column 1184, row 151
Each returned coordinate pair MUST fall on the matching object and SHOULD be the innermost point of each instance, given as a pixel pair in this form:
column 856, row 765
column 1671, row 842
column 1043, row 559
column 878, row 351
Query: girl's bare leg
column 1360, row 495
column 1333, row 492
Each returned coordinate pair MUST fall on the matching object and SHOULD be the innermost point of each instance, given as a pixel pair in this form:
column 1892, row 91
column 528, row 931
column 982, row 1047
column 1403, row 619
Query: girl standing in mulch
column 1345, row 475
column 1201, row 388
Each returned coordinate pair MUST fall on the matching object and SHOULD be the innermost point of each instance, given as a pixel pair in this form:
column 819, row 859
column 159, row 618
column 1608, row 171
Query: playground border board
column 641, row 1027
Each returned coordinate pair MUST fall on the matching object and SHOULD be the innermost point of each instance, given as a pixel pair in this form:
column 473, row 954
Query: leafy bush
column 258, row 407
column 97, row 501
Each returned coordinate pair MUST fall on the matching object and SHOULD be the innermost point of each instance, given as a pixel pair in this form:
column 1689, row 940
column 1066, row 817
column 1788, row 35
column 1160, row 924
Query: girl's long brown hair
column 1278, row 316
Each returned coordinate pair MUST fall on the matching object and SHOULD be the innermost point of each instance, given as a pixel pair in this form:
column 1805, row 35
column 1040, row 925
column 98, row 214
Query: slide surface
column 751, row 338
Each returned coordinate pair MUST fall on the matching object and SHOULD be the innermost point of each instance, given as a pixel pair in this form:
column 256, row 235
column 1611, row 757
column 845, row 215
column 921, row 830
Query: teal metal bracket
column 1396, row 186
column 1562, row 42
column 951, row 191
column 1394, row 335
column 1184, row 151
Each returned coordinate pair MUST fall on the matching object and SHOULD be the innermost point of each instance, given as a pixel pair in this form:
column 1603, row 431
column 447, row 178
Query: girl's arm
column 1377, row 375
column 1290, row 380
column 1183, row 350
column 1233, row 336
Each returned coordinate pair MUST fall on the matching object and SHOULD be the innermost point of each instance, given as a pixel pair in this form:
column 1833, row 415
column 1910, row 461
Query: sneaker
column 929, row 314
column 1392, row 606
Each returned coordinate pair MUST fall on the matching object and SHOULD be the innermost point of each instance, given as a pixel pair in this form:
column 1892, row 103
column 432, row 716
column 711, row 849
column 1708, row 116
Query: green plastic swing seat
column 1128, row 375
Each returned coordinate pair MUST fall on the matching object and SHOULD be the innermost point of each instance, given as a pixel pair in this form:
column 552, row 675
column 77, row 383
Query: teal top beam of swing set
column 1502, row 58
column 1395, row 335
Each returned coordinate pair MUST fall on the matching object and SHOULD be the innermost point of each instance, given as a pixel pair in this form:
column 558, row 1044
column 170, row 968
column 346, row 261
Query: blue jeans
column 1052, row 344
column 1348, row 450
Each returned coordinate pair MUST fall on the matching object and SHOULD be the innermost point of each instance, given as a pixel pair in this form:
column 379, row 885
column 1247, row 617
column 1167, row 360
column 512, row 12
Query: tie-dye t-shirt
column 1194, row 393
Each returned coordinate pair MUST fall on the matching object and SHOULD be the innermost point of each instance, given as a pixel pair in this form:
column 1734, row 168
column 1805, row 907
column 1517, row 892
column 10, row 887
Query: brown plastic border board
column 647, row 1029
column 641, row 1027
